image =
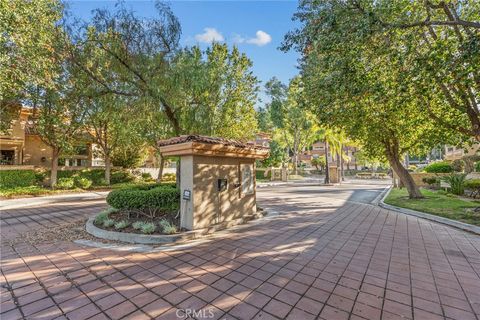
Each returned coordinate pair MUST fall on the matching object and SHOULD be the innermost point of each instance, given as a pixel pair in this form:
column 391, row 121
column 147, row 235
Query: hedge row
column 67, row 179
column 17, row 178
column 439, row 167
column 161, row 197
column 97, row 176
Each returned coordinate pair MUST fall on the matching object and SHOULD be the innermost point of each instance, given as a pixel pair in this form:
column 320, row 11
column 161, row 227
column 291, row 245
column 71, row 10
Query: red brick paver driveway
column 321, row 258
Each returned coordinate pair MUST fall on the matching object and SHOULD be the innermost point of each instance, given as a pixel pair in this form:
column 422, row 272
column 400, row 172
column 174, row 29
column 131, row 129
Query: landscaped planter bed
column 159, row 238
column 131, row 219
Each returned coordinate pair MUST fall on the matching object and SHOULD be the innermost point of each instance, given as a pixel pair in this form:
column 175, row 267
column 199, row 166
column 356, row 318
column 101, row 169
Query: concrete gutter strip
column 427, row 216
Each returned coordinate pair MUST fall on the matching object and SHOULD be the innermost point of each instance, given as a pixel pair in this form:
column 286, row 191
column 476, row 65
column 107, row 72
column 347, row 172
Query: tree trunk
column 355, row 153
column 54, row 167
column 342, row 173
column 327, row 170
column 107, row 169
column 404, row 175
column 160, row 169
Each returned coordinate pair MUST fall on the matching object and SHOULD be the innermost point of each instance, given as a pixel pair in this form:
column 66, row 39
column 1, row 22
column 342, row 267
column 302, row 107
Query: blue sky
column 256, row 27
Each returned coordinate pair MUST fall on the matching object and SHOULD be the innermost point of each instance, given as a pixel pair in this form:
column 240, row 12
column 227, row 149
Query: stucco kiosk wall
column 210, row 205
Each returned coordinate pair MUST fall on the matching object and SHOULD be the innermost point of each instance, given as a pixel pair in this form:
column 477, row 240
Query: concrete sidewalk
column 39, row 201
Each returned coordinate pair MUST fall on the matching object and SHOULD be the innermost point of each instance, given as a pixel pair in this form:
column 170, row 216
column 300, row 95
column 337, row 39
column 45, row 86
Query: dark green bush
column 472, row 184
column 160, row 197
column 477, row 166
column 94, row 175
column 431, row 180
column 260, row 174
column 97, row 176
column 146, row 176
column 119, row 176
column 17, row 178
column 439, row 167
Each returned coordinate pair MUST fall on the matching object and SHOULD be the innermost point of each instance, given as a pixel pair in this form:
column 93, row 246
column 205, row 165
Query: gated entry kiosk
column 217, row 179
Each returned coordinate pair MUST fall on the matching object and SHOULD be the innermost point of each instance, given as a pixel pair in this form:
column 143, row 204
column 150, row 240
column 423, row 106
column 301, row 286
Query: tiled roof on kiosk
column 209, row 140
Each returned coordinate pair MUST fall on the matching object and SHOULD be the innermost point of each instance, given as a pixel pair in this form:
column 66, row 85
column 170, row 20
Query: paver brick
column 338, row 261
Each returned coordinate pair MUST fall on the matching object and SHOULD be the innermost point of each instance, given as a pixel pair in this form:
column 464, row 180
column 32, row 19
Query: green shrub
column 477, row 166
column 122, row 224
column 431, row 180
column 101, row 217
column 137, row 225
column 439, row 167
column 17, row 178
column 160, row 197
column 457, row 183
column 94, row 175
column 472, row 184
column 260, row 174
column 108, row 223
column 148, row 228
column 146, row 176
column 97, row 176
column 83, row 183
column 121, row 176
column 167, row 227
column 65, row 183
column 40, row 175
column 169, row 177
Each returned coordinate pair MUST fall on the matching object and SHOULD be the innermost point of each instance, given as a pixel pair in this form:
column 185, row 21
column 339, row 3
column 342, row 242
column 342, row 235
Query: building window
column 7, row 157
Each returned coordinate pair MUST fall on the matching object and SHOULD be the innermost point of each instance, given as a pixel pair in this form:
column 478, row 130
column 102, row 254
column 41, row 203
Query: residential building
column 318, row 150
column 22, row 146
column 454, row 153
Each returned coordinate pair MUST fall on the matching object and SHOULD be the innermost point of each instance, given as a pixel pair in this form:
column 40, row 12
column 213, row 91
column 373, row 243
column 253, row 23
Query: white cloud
column 209, row 35
column 238, row 38
column 262, row 38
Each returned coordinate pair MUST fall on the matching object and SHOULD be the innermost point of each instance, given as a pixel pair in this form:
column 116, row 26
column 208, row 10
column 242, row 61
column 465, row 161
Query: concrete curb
column 427, row 216
column 136, row 238
column 273, row 184
column 149, row 248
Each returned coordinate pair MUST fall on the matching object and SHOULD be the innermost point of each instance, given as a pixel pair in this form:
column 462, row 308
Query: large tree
column 295, row 127
column 216, row 92
column 58, row 116
column 438, row 40
column 355, row 79
column 28, row 31
column 128, row 56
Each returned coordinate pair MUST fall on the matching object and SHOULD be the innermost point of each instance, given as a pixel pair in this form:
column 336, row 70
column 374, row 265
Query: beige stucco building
column 455, row 153
column 22, row 146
